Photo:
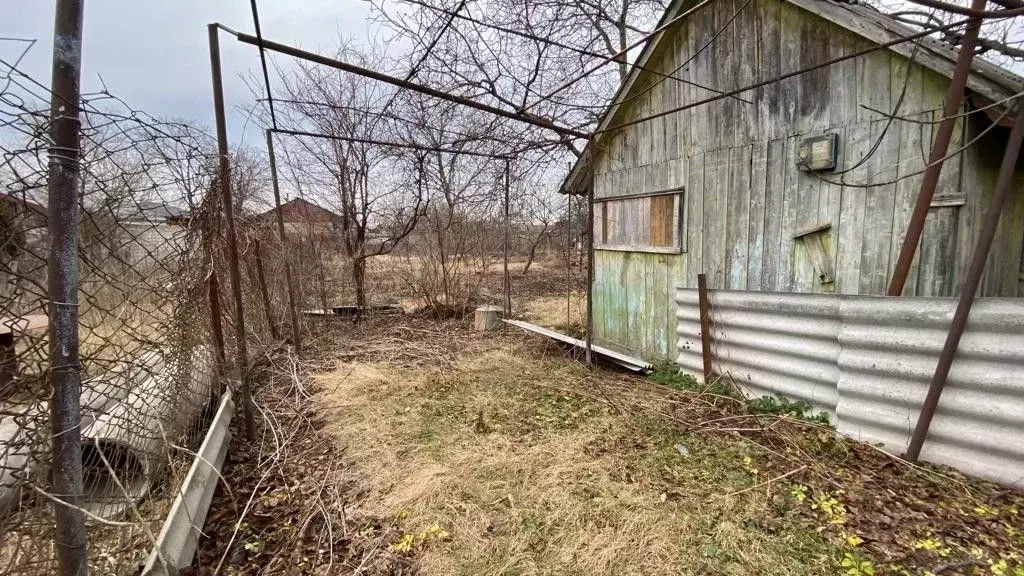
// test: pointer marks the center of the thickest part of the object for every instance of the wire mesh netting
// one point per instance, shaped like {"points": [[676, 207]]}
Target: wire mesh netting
{"points": [[150, 252]]}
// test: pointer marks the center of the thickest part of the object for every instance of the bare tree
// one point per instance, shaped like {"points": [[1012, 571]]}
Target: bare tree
{"points": [[539, 218], [515, 54], [373, 188], [1001, 40], [558, 59], [250, 180]]}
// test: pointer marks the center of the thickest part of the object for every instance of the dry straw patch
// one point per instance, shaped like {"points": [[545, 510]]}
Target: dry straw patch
{"points": [[510, 460], [558, 311]]}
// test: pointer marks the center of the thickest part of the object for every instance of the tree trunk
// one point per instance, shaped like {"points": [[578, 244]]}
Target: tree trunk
{"points": [[623, 42], [322, 279], [533, 249], [359, 280]]}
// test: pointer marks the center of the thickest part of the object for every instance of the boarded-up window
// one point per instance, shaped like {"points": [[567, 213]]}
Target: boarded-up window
{"points": [[640, 223]]}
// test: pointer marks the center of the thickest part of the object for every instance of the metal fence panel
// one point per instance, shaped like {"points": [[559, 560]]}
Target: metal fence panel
{"points": [[890, 347], [868, 360], [778, 345]]}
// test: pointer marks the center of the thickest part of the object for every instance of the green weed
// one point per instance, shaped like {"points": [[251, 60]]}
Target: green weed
{"points": [[668, 374], [785, 407]]}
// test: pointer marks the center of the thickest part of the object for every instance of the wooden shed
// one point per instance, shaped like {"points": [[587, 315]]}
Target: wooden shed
{"points": [[801, 185]]}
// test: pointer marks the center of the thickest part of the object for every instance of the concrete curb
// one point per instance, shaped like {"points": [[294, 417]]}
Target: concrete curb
{"points": [[179, 537]]}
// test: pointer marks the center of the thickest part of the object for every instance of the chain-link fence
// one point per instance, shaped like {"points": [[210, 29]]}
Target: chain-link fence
{"points": [[151, 266]]}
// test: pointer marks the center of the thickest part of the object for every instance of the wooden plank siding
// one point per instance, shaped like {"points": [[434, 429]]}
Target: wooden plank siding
{"points": [[746, 202]]}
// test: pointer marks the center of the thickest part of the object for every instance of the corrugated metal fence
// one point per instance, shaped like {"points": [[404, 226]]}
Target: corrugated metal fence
{"points": [[867, 361]]}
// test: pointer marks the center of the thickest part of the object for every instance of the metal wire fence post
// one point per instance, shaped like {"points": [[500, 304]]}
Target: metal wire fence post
{"points": [[590, 277], [106, 239], [1004, 186], [944, 132], [65, 412], [506, 278], [224, 180], [293, 312]]}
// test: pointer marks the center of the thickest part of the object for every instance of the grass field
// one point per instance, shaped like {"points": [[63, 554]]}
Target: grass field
{"points": [[508, 460], [427, 448]]}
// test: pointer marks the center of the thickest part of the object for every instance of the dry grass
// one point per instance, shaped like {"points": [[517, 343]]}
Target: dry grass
{"points": [[511, 459], [421, 447], [561, 312]]}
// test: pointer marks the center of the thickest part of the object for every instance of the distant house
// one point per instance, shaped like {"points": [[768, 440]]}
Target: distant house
{"points": [[148, 232], [24, 215], [303, 216], [799, 185]]}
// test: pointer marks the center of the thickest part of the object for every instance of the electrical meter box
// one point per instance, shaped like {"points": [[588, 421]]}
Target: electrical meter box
{"points": [[818, 153]]}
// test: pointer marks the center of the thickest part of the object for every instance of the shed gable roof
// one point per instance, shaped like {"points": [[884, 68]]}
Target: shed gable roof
{"points": [[991, 81]]}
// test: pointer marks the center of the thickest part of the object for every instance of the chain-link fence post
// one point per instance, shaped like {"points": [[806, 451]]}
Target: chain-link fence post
{"points": [[224, 180], [62, 198], [293, 312]]}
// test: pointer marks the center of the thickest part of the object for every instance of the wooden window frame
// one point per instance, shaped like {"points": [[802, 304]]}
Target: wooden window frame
{"points": [[679, 217]]}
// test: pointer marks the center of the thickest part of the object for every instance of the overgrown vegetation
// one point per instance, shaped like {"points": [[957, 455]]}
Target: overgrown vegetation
{"points": [[528, 463], [785, 407], [448, 451], [668, 374]]}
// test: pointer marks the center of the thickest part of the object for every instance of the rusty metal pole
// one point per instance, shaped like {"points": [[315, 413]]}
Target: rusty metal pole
{"points": [[954, 98], [506, 279], [293, 311], [213, 293], [590, 276], [62, 201], [224, 179], [407, 85], [568, 260], [970, 287], [705, 326], [264, 293]]}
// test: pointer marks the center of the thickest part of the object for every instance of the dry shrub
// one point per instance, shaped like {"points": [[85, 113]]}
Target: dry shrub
{"points": [[446, 260]]}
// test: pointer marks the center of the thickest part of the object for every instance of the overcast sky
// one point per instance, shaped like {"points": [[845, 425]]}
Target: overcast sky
{"points": [[154, 53]]}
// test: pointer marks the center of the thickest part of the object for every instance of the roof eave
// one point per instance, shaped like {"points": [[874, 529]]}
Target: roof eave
{"points": [[987, 79]]}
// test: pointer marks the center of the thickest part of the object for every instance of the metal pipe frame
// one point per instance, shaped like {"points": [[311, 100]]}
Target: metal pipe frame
{"points": [[970, 287], [353, 69], [590, 277], [224, 180], [954, 99], [406, 145]]}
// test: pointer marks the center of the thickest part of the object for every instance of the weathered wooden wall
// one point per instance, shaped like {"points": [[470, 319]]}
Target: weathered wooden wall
{"points": [[745, 199]]}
